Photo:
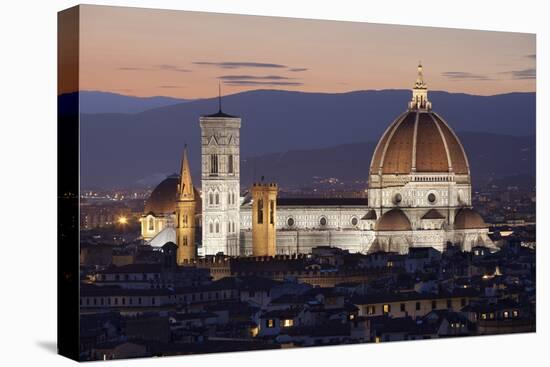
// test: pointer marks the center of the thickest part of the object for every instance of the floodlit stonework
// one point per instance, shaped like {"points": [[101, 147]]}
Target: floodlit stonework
{"points": [[419, 195], [220, 135]]}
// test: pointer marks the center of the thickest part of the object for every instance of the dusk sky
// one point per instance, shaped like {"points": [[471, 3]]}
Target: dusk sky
{"points": [[145, 52]]}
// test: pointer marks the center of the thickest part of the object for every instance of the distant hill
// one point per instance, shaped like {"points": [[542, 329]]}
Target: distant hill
{"points": [[491, 156], [105, 102], [139, 149]]}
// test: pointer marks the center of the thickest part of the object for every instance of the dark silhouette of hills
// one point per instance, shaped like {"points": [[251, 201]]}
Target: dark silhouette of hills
{"points": [[106, 102], [139, 149], [491, 156]]}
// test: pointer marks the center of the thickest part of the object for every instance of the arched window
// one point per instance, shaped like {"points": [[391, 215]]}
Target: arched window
{"points": [[211, 227], [272, 212], [151, 224], [217, 227], [217, 198], [185, 241], [211, 199]]}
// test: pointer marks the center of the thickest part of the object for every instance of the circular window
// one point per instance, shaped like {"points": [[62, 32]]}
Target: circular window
{"points": [[290, 222], [397, 198], [431, 198], [323, 221], [354, 221]]}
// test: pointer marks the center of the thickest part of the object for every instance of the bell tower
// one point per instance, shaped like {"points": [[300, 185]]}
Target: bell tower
{"points": [[220, 145], [264, 219], [185, 214]]}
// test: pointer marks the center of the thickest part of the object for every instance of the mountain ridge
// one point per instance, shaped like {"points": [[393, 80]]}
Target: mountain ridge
{"points": [[119, 149]]}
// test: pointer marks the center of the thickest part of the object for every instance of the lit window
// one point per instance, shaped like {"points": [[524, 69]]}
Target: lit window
{"points": [[270, 323], [288, 323], [515, 313], [151, 224], [386, 308], [506, 314]]}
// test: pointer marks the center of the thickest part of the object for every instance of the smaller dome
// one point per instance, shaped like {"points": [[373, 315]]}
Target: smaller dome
{"points": [[393, 220], [163, 198], [467, 218]]}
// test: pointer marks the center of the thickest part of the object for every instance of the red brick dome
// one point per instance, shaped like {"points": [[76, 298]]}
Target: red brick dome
{"points": [[419, 141], [467, 218], [393, 220]]}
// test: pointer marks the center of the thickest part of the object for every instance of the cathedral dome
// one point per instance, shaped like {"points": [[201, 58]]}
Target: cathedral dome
{"points": [[393, 220], [164, 196], [420, 141], [467, 218]]}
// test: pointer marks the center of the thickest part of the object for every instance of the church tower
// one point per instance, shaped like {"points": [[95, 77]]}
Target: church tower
{"points": [[220, 141], [264, 218], [185, 214]]}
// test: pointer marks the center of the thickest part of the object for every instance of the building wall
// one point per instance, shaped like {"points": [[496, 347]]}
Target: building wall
{"points": [[426, 306], [309, 218], [152, 225]]}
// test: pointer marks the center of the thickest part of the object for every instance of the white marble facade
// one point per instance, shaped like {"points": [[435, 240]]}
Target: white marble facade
{"points": [[220, 152]]}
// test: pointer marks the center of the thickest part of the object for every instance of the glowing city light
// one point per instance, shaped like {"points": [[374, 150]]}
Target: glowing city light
{"points": [[122, 220]]}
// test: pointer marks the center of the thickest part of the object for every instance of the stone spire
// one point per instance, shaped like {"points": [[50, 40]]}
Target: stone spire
{"points": [[185, 188], [420, 93]]}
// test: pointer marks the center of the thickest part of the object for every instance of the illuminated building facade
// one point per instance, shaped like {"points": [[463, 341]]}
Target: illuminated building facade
{"points": [[419, 194]]}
